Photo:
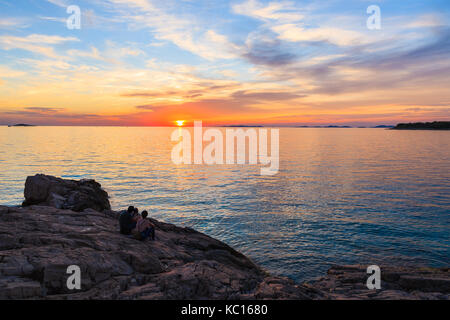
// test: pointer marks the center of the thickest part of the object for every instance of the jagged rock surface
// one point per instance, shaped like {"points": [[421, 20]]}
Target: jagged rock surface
{"points": [[397, 283], [38, 243]]}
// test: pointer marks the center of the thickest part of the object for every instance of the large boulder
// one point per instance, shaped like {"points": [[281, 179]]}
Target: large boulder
{"points": [[65, 194]]}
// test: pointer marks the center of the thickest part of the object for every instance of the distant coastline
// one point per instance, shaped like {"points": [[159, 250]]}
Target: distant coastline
{"points": [[243, 126], [436, 125], [313, 127], [21, 125]]}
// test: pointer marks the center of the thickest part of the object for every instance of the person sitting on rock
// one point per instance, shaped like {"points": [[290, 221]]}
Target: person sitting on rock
{"points": [[126, 221], [135, 215], [144, 228]]}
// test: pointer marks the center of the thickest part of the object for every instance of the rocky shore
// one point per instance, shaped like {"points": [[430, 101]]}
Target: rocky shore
{"points": [[63, 223]]}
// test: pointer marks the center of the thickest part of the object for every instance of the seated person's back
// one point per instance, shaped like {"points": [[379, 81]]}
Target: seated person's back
{"points": [[126, 221]]}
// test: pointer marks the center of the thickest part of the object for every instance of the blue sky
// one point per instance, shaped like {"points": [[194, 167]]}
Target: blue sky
{"points": [[145, 62]]}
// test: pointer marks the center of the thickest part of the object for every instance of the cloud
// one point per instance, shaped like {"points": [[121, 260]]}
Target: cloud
{"points": [[35, 111], [289, 24], [13, 23], [228, 73], [265, 50], [43, 39], [359, 69], [427, 21], [94, 53], [54, 19], [44, 109], [113, 53], [265, 96], [7, 72], [34, 43], [149, 94], [46, 116], [336, 36], [201, 88], [146, 107], [60, 3], [439, 48], [240, 102], [181, 31], [283, 10], [239, 99], [39, 39]]}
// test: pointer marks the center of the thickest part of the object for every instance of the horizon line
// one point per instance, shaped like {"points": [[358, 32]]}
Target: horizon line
{"points": [[216, 126]]}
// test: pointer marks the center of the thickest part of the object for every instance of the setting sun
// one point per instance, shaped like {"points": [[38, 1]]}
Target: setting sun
{"points": [[180, 123]]}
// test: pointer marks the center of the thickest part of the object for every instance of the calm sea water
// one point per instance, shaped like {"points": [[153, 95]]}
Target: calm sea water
{"points": [[342, 195]]}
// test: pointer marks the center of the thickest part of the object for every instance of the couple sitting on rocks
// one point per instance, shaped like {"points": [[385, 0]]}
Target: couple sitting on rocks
{"points": [[136, 225]]}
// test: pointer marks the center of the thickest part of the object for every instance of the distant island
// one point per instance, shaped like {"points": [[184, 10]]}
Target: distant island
{"points": [[330, 126], [21, 125], [243, 126], [436, 125], [384, 126], [346, 127]]}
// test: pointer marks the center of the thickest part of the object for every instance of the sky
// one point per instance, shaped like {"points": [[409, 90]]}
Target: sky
{"points": [[252, 62]]}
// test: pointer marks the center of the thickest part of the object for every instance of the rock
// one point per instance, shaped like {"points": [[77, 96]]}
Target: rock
{"points": [[397, 283], [425, 283], [19, 288], [65, 194], [181, 264]]}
